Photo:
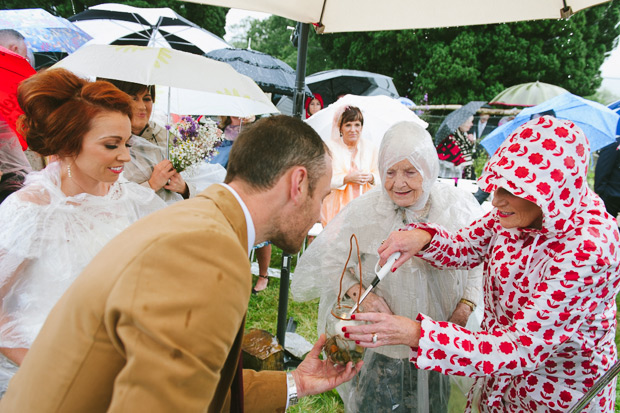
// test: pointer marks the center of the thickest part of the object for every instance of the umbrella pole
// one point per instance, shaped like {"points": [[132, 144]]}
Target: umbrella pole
{"points": [[168, 122], [298, 98], [300, 73]]}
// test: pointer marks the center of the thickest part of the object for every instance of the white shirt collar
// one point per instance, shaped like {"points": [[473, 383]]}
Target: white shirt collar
{"points": [[248, 218]]}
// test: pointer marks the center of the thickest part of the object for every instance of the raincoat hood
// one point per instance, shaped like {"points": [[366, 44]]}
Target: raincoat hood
{"points": [[544, 161], [410, 141]]}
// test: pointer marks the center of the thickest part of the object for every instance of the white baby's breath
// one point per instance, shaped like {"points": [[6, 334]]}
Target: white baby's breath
{"points": [[192, 142]]}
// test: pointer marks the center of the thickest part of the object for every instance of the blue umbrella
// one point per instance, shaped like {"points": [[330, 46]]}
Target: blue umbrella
{"points": [[616, 108], [43, 31], [597, 121]]}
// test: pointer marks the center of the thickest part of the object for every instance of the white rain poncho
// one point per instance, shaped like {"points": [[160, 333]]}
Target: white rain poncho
{"points": [[146, 151], [388, 381], [46, 239]]}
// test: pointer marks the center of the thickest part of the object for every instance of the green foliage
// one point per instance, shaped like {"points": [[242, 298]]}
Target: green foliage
{"points": [[272, 36], [263, 314], [210, 18], [456, 65]]}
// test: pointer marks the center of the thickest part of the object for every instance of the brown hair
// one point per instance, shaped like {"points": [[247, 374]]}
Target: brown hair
{"points": [[132, 89], [224, 121], [265, 150], [350, 114], [58, 108]]}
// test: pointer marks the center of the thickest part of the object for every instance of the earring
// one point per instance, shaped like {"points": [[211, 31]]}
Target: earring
{"points": [[69, 171]]}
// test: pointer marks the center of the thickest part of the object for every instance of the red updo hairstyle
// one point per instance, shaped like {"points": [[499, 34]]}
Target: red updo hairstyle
{"points": [[58, 109]]}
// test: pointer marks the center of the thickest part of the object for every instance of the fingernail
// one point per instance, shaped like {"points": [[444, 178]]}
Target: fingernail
{"points": [[346, 335], [357, 341], [352, 317], [344, 329], [393, 269]]}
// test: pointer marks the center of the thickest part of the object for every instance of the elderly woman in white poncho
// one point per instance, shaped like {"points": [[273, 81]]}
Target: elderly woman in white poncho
{"points": [[409, 167]]}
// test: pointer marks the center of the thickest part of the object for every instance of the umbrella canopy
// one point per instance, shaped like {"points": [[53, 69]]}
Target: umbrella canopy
{"points": [[363, 15], [456, 119], [120, 24], [43, 31], [332, 83], [271, 74], [49, 37], [616, 108], [224, 91], [13, 69], [597, 121], [380, 112], [527, 94]]}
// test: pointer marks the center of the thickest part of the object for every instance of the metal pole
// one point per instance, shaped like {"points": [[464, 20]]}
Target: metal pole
{"points": [[300, 75], [603, 381], [285, 276], [298, 99]]}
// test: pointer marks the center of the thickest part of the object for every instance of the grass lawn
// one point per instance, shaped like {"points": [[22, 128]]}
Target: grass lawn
{"points": [[263, 314]]}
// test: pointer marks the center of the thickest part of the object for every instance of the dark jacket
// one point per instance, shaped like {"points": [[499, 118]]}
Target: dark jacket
{"points": [[607, 177]]}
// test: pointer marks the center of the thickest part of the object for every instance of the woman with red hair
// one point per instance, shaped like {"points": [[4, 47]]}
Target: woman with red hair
{"points": [[52, 227]]}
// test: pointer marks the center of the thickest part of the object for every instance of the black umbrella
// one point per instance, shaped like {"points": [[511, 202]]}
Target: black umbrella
{"points": [[271, 74], [456, 119], [332, 83]]}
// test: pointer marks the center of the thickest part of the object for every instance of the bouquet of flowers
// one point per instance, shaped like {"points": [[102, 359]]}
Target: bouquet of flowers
{"points": [[192, 141]]}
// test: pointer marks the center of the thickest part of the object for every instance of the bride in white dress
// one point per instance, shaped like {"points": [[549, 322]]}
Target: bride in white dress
{"points": [[52, 227]]}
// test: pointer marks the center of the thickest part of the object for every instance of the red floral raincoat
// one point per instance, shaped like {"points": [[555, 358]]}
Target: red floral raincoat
{"points": [[549, 294]]}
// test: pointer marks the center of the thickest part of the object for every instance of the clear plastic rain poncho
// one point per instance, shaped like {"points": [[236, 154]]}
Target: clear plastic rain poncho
{"points": [[148, 151], [388, 381], [46, 239]]}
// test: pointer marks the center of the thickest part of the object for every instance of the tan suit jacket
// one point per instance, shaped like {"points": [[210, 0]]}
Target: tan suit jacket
{"points": [[154, 322]]}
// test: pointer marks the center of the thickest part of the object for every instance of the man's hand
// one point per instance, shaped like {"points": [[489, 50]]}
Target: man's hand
{"points": [[314, 376]]}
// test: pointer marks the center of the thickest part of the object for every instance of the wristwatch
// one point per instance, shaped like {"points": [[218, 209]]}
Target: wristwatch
{"points": [[291, 389]]}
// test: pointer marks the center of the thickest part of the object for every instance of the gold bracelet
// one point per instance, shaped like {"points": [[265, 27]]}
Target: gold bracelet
{"points": [[469, 303]]}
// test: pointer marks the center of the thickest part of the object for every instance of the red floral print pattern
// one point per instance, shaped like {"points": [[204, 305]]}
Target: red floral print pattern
{"points": [[549, 294]]}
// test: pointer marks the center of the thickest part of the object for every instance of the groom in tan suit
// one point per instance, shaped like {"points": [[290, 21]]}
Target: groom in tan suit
{"points": [[154, 323]]}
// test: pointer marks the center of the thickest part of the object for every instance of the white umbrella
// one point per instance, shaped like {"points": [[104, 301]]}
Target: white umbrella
{"points": [[220, 85], [120, 24], [527, 94], [364, 15], [380, 112]]}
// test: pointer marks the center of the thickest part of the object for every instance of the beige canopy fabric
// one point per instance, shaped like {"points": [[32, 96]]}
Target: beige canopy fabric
{"points": [[369, 15]]}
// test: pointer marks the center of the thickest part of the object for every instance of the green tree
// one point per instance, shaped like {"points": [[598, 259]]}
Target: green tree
{"points": [[456, 65], [210, 18], [272, 36]]}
